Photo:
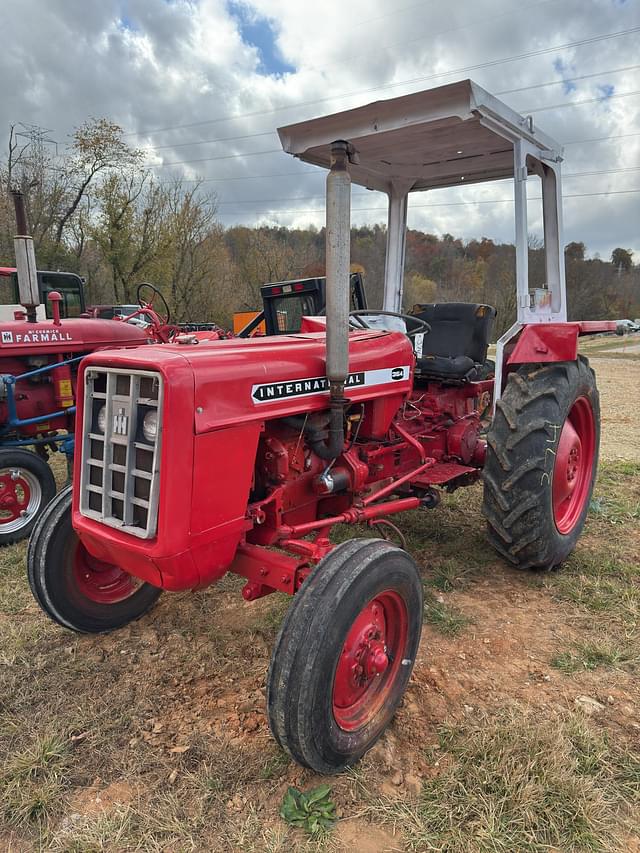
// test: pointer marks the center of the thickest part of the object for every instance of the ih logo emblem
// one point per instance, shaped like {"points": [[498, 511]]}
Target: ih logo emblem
{"points": [[120, 422], [7, 337]]}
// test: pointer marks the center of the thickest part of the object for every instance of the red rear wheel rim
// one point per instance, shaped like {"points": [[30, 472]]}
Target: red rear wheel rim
{"points": [[573, 467], [100, 582], [370, 660], [15, 495]]}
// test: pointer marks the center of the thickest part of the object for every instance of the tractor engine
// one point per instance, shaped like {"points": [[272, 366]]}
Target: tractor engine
{"points": [[194, 458]]}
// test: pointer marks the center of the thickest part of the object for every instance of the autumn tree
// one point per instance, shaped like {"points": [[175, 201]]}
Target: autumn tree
{"points": [[97, 148], [622, 259], [574, 251], [261, 255], [418, 289], [56, 187], [195, 260]]}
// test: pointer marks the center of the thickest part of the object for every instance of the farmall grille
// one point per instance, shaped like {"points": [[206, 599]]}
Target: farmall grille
{"points": [[120, 467]]}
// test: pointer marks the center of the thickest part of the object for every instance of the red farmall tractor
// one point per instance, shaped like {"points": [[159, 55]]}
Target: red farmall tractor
{"points": [[39, 358], [242, 455]]}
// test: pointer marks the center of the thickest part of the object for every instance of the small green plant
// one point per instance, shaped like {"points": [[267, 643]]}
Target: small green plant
{"points": [[310, 810]]}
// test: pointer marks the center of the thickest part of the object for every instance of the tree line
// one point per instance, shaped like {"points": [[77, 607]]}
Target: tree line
{"points": [[97, 210]]}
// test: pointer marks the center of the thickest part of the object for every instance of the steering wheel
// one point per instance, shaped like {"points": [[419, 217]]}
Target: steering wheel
{"points": [[419, 326], [166, 320]]}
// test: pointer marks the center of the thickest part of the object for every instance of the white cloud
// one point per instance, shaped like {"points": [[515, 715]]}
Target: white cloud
{"points": [[152, 64]]}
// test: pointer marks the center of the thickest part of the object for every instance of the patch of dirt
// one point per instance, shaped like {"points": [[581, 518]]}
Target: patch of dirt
{"points": [[13, 843], [355, 834], [99, 798], [506, 660]]}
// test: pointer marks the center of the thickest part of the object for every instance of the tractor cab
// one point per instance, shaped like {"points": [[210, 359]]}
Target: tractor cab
{"points": [[68, 285], [285, 303]]}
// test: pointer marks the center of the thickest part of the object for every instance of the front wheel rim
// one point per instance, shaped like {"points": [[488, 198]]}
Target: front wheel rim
{"points": [[100, 582], [573, 467], [370, 661], [20, 498]]}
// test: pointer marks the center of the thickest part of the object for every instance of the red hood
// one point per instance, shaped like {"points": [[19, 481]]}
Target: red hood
{"points": [[73, 335]]}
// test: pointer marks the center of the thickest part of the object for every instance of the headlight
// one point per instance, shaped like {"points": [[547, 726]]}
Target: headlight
{"points": [[150, 426], [102, 418]]}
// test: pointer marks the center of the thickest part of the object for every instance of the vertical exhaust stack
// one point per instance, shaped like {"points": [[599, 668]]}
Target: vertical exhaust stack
{"points": [[338, 258], [25, 260]]}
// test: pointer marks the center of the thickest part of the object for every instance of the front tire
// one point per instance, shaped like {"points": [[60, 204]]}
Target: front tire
{"points": [[27, 485], [344, 654], [542, 461], [73, 588]]}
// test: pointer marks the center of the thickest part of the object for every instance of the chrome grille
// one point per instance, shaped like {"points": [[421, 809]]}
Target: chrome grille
{"points": [[120, 477]]}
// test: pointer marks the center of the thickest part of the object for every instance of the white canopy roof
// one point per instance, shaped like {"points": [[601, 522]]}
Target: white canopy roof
{"points": [[441, 137]]}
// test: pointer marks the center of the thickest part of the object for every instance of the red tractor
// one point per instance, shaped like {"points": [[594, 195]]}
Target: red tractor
{"points": [[40, 349], [242, 455]]}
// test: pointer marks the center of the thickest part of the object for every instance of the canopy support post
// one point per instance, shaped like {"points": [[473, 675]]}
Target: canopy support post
{"points": [[522, 240], [396, 243], [553, 239]]}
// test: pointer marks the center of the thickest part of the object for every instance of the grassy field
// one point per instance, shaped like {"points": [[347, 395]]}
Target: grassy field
{"points": [[520, 731]]}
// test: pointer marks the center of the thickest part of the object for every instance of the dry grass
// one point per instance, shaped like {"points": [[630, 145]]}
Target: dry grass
{"points": [[518, 783]]}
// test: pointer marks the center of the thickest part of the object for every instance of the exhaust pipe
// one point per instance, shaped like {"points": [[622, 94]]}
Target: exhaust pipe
{"points": [[25, 260], [338, 258]]}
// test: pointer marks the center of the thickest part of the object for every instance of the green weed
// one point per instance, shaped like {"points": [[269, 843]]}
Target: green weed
{"points": [[312, 811]]}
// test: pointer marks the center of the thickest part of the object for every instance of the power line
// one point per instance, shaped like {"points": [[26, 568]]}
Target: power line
{"points": [[569, 80], [222, 157], [367, 192], [211, 141], [449, 204], [321, 173], [601, 172], [464, 69], [388, 14], [315, 172], [503, 92], [604, 99], [600, 138]]}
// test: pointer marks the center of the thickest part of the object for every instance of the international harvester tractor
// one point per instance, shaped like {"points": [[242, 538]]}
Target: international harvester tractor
{"points": [[40, 349], [243, 455]]}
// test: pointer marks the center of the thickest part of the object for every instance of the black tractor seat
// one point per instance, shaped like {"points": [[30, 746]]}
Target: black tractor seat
{"points": [[455, 350]]}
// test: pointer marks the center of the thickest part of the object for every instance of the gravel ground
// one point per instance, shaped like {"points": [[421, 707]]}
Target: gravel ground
{"points": [[619, 385]]}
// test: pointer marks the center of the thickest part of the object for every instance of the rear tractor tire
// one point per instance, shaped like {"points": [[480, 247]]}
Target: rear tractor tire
{"points": [[27, 485], [344, 654], [74, 588], [542, 461]]}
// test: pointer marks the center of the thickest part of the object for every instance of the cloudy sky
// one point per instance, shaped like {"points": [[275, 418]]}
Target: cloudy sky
{"points": [[201, 85]]}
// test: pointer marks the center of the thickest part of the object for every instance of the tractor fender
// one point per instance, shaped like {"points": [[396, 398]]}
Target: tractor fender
{"points": [[545, 343]]}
